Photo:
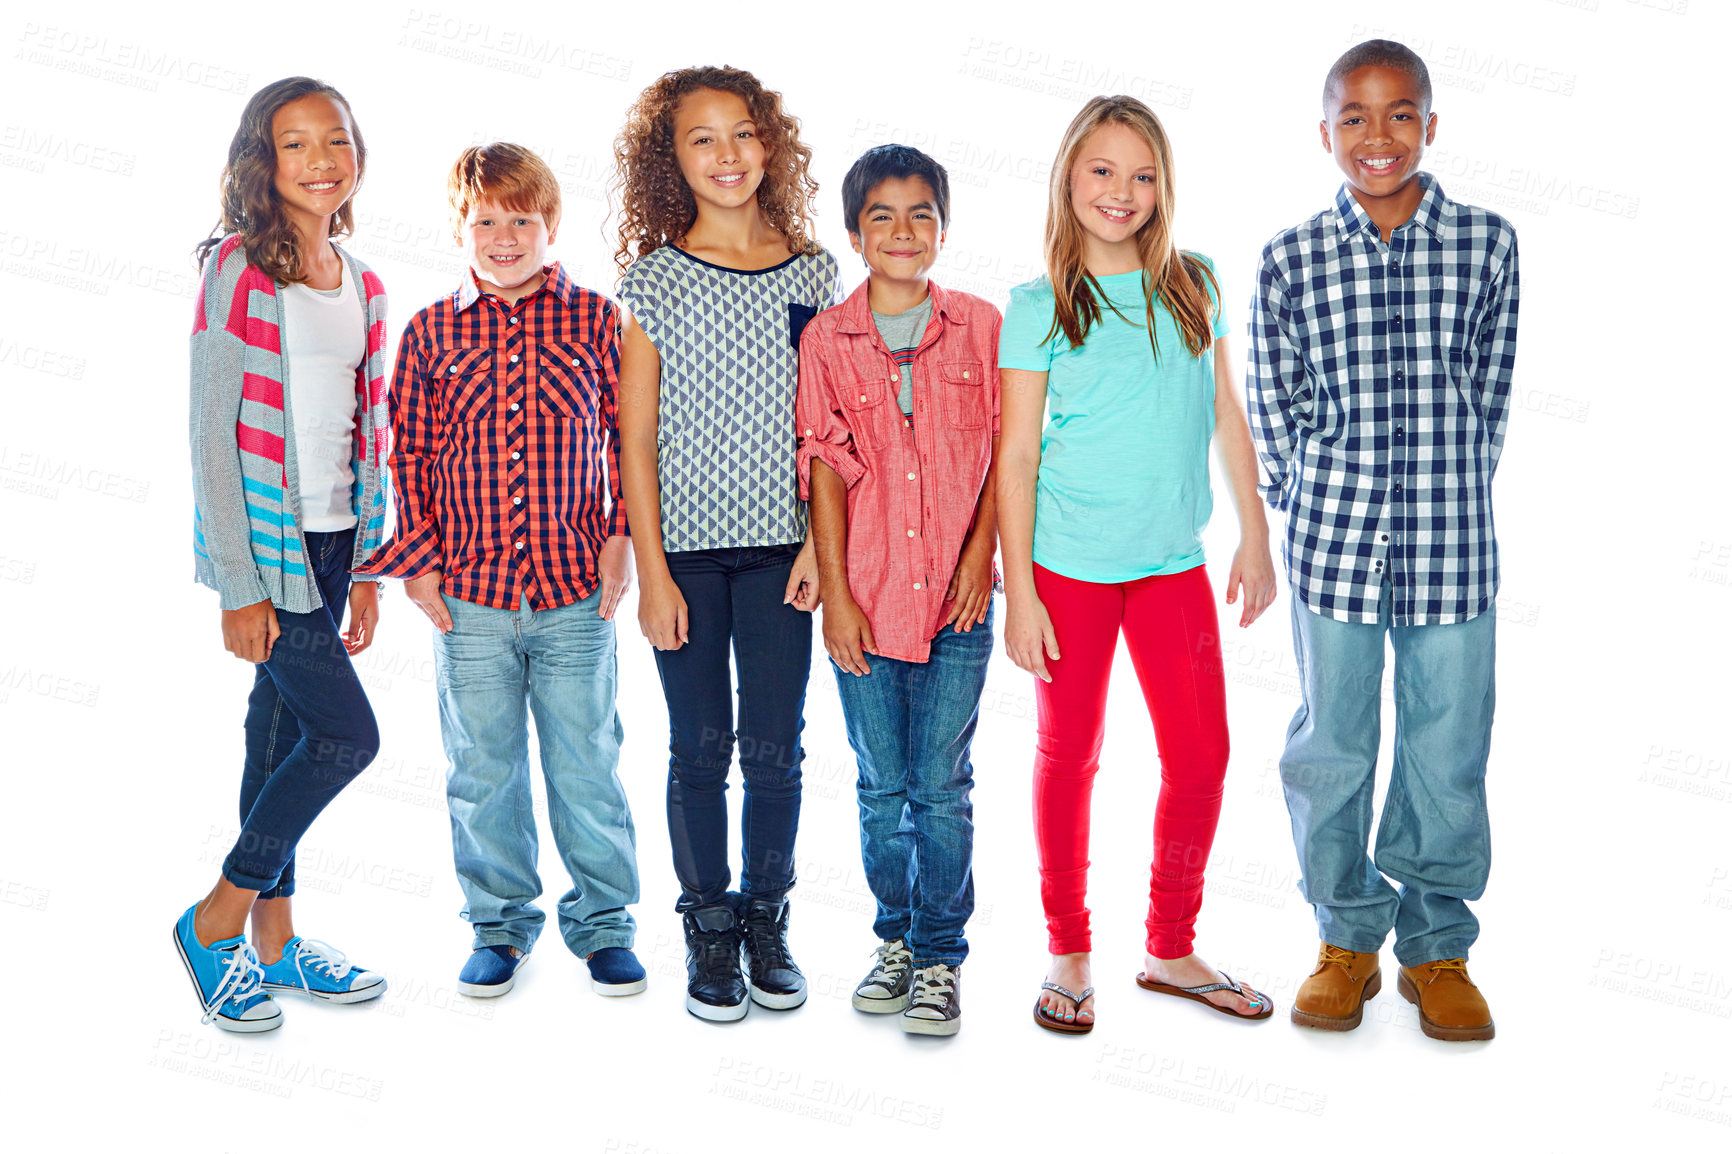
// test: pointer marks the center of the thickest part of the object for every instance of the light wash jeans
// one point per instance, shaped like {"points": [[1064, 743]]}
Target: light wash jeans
{"points": [[911, 725], [1433, 837], [560, 663]]}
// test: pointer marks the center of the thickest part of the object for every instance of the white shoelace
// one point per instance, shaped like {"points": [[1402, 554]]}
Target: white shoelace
{"points": [[239, 983], [321, 956], [893, 958], [933, 987]]}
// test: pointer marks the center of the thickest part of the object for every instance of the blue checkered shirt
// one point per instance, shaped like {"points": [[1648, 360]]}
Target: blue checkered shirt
{"points": [[1378, 388]]}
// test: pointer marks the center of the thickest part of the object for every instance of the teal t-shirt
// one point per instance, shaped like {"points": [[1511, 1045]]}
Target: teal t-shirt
{"points": [[1123, 490]]}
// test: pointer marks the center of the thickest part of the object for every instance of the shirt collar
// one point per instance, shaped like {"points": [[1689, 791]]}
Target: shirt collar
{"points": [[557, 283], [1433, 214], [856, 311]]}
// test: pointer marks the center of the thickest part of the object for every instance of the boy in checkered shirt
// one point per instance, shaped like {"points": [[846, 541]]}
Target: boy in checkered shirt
{"points": [[1382, 342]]}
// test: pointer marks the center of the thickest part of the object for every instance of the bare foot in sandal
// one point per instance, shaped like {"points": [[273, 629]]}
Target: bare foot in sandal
{"points": [[1191, 970], [1073, 973]]}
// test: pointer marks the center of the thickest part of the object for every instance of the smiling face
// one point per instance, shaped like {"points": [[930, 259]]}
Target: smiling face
{"points": [[900, 233], [1377, 134], [718, 149], [506, 248], [1113, 185], [316, 165]]}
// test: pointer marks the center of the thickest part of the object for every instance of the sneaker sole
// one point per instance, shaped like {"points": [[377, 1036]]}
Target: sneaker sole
{"points": [[365, 994], [772, 1001], [472, 990], [711, 1013], [935, 1027], [1346, 1022], [232, 1025], [880, 1005], [619, 989]]}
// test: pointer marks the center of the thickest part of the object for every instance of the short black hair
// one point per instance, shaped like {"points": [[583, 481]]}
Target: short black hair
{"points": [[1378, 54], [892, 162]]}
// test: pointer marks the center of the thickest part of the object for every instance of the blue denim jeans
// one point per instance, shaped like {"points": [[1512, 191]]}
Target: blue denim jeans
{"points": [[734, 603], [309, 728], [1433, 837], [495, 668], [911, 725]]}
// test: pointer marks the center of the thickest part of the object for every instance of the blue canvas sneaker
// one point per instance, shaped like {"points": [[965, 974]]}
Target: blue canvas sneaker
{"points": [[614, 972], [315, 969], [490, 972], [225, 975]]}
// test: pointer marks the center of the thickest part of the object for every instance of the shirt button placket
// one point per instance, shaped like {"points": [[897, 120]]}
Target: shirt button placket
{"points": [[516, 372]]}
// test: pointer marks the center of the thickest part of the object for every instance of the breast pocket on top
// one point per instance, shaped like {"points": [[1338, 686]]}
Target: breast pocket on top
{"points": [[569, 380], [467, 376], [965, 400], [863, 405], [1455, 302]]}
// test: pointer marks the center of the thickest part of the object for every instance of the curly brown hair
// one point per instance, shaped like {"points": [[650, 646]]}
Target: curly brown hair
{"points": [[655, 205], [250, 204]]}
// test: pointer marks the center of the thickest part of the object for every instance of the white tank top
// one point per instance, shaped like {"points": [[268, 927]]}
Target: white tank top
{"points": [[326, 343]]}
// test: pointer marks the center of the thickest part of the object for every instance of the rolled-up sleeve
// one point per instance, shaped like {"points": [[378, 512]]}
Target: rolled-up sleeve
{"points": [[821, 425]]}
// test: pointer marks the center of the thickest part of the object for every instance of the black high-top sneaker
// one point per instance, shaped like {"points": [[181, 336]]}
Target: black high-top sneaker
{"points": [[715, 989], [777, 983]]}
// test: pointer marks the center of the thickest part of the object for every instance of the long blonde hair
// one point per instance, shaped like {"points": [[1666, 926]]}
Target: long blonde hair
{"points": [[1177, 280]]}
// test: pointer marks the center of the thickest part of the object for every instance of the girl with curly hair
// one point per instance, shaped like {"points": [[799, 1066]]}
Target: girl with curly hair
{"points": [[288, 436], [720, 275]]}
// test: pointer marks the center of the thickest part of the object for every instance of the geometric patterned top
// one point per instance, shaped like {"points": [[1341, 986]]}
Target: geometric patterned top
{"points": [[728, 340], [1378, 390]]}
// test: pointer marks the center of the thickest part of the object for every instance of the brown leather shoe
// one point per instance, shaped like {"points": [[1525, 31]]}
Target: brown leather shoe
{"points": [[1451, 1008], [1334, 996]]}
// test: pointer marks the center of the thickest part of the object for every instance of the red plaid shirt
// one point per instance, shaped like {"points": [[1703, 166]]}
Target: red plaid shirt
{"points": [[912, 493], [504, 419]]}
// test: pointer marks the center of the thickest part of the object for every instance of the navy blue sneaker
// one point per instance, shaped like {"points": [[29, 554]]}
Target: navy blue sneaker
{"points": [[614, 972], [490, 971], [225, 975], [315, 969]]}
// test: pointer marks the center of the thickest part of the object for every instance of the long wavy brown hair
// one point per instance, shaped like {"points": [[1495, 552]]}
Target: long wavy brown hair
{"points": [[1175, 279], [250, 204], [650, 194]]}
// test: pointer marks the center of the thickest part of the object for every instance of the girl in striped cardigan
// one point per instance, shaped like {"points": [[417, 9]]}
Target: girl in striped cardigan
{"points": [[289, 498]]}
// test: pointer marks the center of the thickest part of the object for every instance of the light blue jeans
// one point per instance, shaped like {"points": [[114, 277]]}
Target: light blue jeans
{"points": [[911, 725], [560, 663], [1433, 837]]}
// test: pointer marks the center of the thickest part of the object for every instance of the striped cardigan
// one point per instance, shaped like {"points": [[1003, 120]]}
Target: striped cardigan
{"points": [[246, 536]]}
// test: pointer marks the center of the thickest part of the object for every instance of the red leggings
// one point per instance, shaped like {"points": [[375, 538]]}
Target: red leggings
{"points": [[1170, 628]]}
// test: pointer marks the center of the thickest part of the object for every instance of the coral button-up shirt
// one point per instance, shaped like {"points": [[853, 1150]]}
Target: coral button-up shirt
{"points": [[912, 493]]}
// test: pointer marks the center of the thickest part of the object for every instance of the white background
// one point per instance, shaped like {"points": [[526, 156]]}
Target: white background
{"points": [[1592, 125]]}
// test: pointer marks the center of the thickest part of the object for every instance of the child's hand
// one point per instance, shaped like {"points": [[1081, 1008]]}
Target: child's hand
{"points": [[363, 616], [424, 591], [250, 631], [970, 591], [1252, 569], [616, 568], [1028, 636], [661, 613], [847, 633], [802, 591]]}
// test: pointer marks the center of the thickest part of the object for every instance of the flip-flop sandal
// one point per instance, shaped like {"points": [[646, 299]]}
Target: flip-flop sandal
{"points": [[1195, 994], [1049, 1022]]}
